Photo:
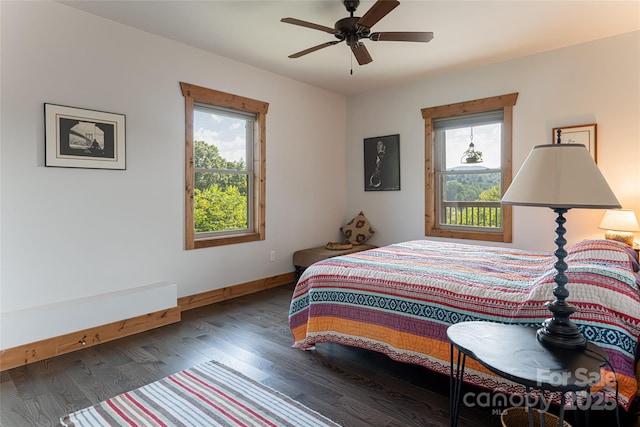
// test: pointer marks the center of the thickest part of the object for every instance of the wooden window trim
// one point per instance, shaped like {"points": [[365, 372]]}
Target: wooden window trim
{"points": [[504, 102], [193, 94]]}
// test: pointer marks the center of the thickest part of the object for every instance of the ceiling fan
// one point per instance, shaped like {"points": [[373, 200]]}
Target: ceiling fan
{"points": [[352, 29]]}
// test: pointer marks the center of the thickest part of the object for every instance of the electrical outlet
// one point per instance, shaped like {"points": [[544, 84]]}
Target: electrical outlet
{"points": [[272, 256]]}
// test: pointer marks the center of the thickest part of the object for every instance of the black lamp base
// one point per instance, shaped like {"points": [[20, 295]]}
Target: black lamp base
{"points": [[559, 331], [561, 336]]}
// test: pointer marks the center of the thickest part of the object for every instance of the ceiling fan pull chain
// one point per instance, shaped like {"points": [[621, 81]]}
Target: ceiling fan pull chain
{"points": [[351, 57]]}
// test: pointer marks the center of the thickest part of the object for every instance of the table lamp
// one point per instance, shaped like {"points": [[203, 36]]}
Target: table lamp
{"points": [[620, 225], [560, 177]]}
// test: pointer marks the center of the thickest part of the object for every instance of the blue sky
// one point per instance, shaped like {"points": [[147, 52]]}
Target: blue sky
{"points": [[228, 134]]}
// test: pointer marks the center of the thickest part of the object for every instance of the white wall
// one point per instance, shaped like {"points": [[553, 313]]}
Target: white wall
{"points": [[596, 82], [68, 234]]}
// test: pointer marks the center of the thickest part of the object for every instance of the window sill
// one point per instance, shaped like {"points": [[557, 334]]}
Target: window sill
{"points": [[469, 235], [226, 240]]}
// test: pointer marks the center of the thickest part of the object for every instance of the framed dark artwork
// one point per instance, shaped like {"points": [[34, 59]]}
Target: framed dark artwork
{"points": [[79, 138], [382, 163], [580, 134]]}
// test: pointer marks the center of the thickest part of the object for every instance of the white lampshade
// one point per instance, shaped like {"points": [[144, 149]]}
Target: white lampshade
{"points": [[620, 225], [619, 220], [560, 176]]}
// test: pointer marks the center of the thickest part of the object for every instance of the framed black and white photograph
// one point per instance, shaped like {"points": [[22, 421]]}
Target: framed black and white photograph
{"points": [[80, 138], [382, 163], [580, 134]]}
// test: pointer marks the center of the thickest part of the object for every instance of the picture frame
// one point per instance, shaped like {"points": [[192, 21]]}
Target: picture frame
{"points": [[382, 163], [81, 138], [580, 134]]}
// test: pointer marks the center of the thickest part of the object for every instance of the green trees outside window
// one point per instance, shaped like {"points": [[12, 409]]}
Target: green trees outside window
{"points": [[220, 197], [472, 200]]}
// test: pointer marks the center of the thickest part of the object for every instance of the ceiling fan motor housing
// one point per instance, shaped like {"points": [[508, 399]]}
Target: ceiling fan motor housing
{"points": [[348, 28]]}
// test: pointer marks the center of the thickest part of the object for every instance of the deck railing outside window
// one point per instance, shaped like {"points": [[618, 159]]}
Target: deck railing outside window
{"points": [[472, 214]]}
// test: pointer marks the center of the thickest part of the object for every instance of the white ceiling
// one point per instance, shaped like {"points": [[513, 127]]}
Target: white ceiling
{"points": [[466, 33]]}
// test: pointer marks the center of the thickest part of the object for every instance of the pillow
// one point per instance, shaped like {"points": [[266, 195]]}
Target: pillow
{"points": [[358, 230], [635, 262], [609, 252]]}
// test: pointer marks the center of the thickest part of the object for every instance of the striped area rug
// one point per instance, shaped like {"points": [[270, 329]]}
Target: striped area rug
{"points": [[210, 394]]}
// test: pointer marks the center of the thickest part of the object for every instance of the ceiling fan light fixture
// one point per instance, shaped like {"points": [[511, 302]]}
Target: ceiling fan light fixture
{"points": [[353, 40]]}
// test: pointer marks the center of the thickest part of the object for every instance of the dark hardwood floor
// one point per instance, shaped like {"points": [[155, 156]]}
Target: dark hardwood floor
{"points": [[351, 386]]}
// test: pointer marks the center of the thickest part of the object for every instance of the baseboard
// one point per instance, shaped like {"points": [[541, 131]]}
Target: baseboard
{"points": [[45, 349], [51, 347], [222, 294]]}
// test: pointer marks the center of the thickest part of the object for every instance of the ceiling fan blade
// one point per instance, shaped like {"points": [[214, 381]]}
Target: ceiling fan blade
{"points": [[379, 10], [361, 53], [402, 36], [313, 49], [306, 24]]}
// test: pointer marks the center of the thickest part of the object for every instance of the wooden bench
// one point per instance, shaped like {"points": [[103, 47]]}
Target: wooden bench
{"points": [[304, 258]]}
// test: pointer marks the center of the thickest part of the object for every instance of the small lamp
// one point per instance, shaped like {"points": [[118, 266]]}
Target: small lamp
{"points": [[560, 177], [620, 224]]}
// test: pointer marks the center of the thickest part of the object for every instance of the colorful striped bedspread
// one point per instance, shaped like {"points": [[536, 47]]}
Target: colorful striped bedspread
{"points": [[400, 299]]}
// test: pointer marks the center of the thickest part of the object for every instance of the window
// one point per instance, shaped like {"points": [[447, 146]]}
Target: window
{"points": [[468, 169], [224, 168]]}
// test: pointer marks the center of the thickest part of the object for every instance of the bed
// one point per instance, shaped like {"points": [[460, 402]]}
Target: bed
{"points": [[400, 299]]}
